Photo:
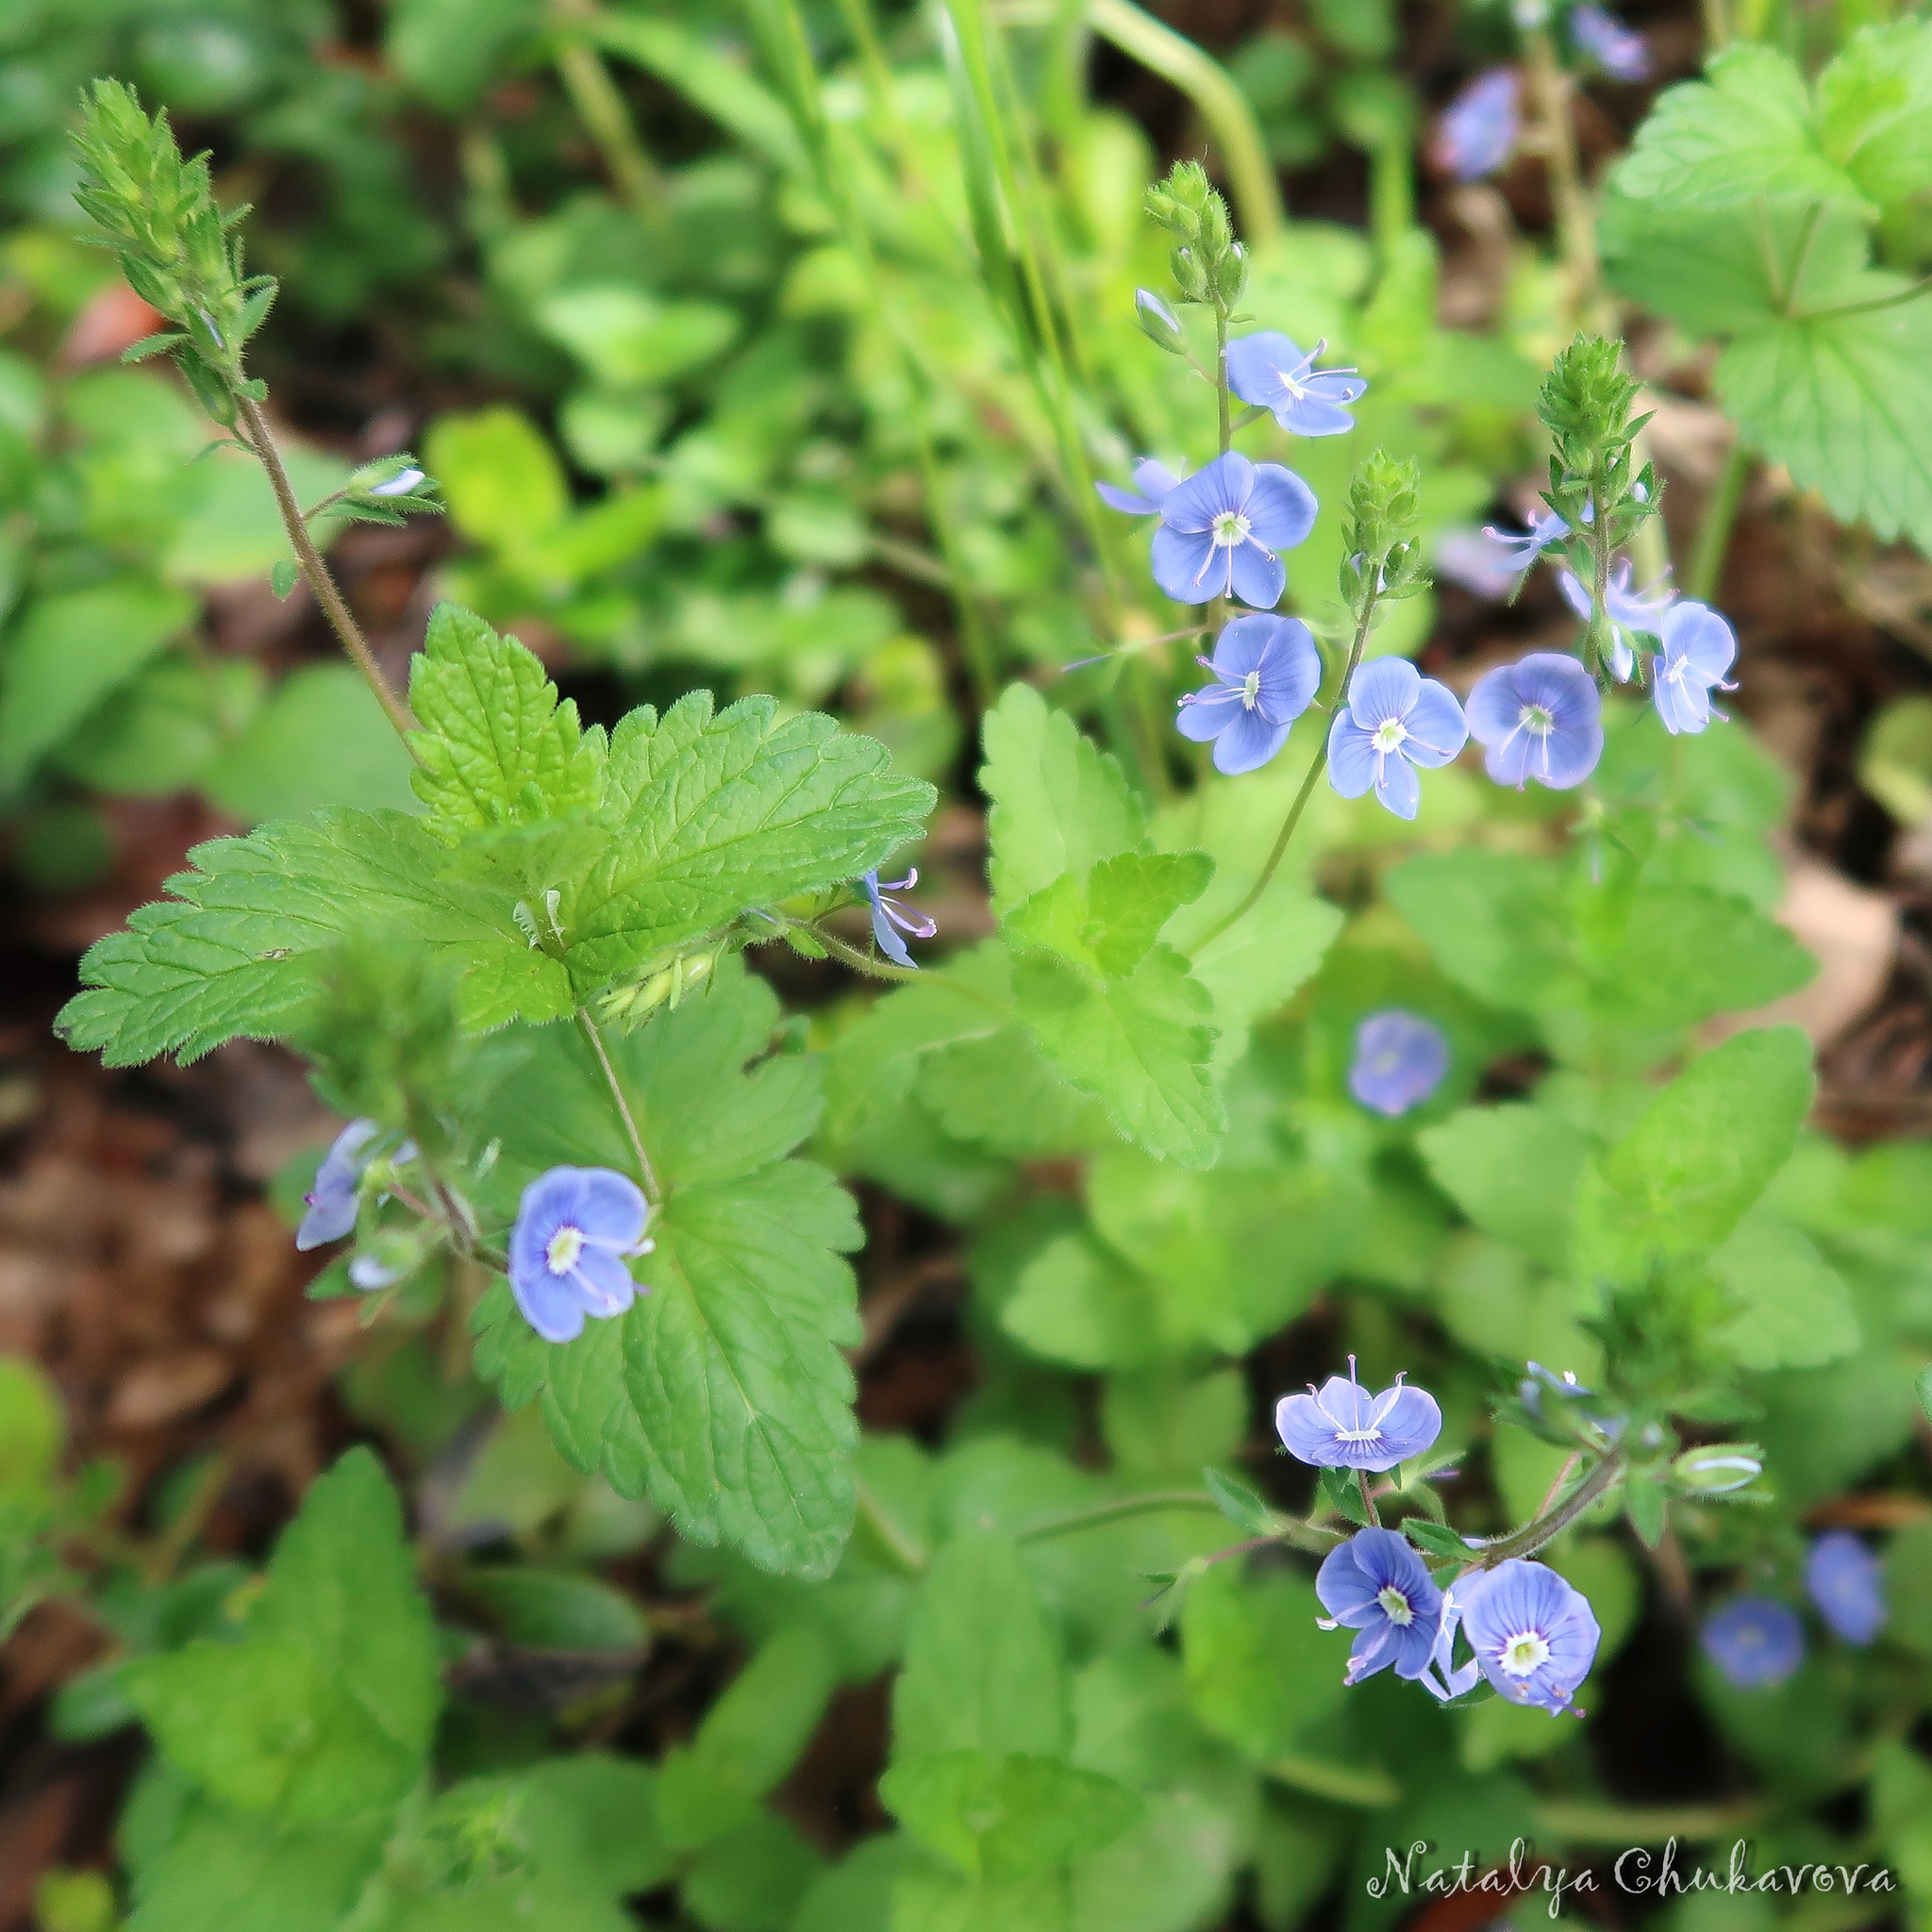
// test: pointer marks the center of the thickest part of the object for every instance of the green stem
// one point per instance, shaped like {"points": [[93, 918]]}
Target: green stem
{"points": [[606, 119], [1120, 1509], [321, 584], [905, 1554], [1575, 230], [1714, 532], [1221, 403], [1548, 1526], [588, 1026], [874, 968], [1221, 105], [1375, 1515], [1318, 765], [1716, 26]]}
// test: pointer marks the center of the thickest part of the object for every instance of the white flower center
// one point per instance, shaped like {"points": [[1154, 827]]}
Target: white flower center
{"points": [[566, 1245], [1230, 528], [1390, 733], [1371, 1434], [1251, 689], [1394, 1606], [1523, 1651], [1535, 718]]}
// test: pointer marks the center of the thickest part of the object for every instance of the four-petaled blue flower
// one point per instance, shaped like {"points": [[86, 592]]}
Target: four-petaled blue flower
{"points": [[890, 918], [1266, 670], [1629, 611], [1699, 647], [574, 1228], [1530, 1632], [1223, 531], [332, 1202], [1480, 127], [1394, 720], [1541, 718], [1152, 482], [1618, 52], [1341, 1425], [1847, 1583], [1755, 1641], [1273, 374], [1376, 1585], [1400, 1060]]}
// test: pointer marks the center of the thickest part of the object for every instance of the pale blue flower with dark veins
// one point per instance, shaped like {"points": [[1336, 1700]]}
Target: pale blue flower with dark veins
{"points": [[332, 1202], [1541, 718], [1375, 1585], [1400, 1060], [576, 1229], [890, 918], [1266, 670], [1847, 1583], [1618, 52], [1530, 1632], [1270, 372], [1394, 719], [1152, 482], [1699, 648], [1754, 1641], [1341, 1425], [1224, 529], [1630, 612], [1480, 127]]}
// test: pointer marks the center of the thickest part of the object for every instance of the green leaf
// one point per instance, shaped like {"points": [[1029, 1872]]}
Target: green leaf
{"points": [[1059, 801], [559, 1609], [749, 1740], [1844, 401], [1256, 965], [1434, 1539], [721, 1393], [68, 652], [1242, 1507], [1744, 135], [1008, 1816], [1139, 1045], [1108, 916], [496, 748], [1495, 922], [1874, 110], [629, 339], [751, 1880], [1703, 1152], [999, 1093], [1923, 1388], [1792, 1310], [326, 1709], [983, 1669], [1514, 1172], [500, 479]]}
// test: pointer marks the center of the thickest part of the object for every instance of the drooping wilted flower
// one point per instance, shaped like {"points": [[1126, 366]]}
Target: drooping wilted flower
{"points": [[890, 918]]}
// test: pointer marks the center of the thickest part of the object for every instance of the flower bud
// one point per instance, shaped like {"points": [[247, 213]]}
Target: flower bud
{"points": [[1718, 1468], [1189, 276], [1158, 322]]}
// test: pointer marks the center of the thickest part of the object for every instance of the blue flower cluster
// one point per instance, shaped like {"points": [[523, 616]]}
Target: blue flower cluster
{"points": [[1528, 1632], [1757, 1643]]}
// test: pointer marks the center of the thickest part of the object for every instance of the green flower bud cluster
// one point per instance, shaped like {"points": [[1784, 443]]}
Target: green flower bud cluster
{"points": [[1585, 404], [629, 1006], [157, 212], [1208, 264], [1382, 557]]}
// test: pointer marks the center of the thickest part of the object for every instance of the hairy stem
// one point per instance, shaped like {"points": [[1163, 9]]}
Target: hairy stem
{"points": [[595, 1039], [1375, 1515], [1552, 1521], [317, 573], [1221, 403]]}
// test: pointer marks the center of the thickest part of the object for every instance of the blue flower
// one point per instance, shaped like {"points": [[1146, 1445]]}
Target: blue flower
{"points": [[1271, 372], [1542, 718], [1395, 719], [1152, 483], [1480, 127], [575, 1227], [1620, 53], [1516, 550], [1266, 670], [888, 914], [1629, 611], [332, 1202], [1847, 1583], [1400, 1060], [1755, 1641], [1341, 1425], [1699, 647], [1376, 1585], [1530, 1632], [1223, 531]]}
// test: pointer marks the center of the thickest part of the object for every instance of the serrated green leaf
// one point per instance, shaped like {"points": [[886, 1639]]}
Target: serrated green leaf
{"points": [[1248, 1512], [1258, 962], [1514, 1171], [1434, 1539], [1874, 110], [1009, 1815], [1059, 801], [999, 1091], [721, 1393], [1844, 402], [1793, 1309], [1703, 1152], [1140, 1046], [1496, 923], [1743, 135], [496, 748], [326, 1709], [1108, 916], [983, 1667]]}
